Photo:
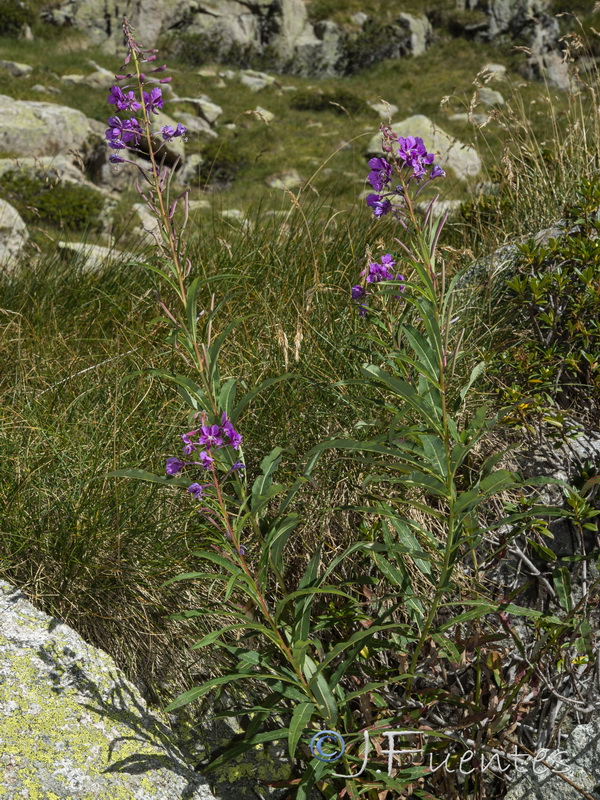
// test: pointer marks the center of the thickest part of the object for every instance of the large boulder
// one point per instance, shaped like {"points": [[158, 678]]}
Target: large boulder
{"points": [[579, 761], [529, 22], [13, 235], [31, 128], [460, 158], [71, 725]]}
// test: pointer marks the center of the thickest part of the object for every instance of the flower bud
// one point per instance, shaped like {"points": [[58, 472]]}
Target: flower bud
{"points": [[165, 80]]}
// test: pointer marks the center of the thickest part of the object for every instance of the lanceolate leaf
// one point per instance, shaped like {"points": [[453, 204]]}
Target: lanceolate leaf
{"points": [[235, 750], [300, 719]]}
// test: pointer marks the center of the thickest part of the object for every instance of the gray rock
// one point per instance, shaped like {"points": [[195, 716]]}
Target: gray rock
{"points": [[460, 158], [264, 114], [289, 179], [451, 207], [101, 78], [47, 168], [195, 124], [94, 256], [150, 223], [359, 18], [190, 172], [579, 761], [175, 148], [256, 81], [489, 97], [235, 215], [73, 79], [32, 128], [206, 108], [208, 72], [13, 237], [478, 119], [71, 725], [16, 69], [385, 110], [549, 67], [419, 30], [494, 71]]}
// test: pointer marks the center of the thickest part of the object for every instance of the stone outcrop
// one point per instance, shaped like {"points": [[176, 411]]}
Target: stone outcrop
{"points": [[581, 754], [280, 32], [71, 725], [31, 128], [13, 235], [460, 158], [529, 22]]}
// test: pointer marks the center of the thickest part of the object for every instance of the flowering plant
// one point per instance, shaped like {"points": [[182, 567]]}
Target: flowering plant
{"points": [[356, 664]]}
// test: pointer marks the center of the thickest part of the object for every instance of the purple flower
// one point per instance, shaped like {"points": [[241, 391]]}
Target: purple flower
{"points": [[123, 101], [437, 172], [114, 159], [169, 133], [206, 460], [358, 292], [376, 272], [380, 205], [153, 100], [238, 465], [210, 436], [123, 132], [235, 439], [173, 466], [189, 446], [381, 173], [115, 95], [413, 152], [196, 490]]}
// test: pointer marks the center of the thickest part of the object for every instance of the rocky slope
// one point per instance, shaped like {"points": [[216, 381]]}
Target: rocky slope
{"points": [[280, 31]]}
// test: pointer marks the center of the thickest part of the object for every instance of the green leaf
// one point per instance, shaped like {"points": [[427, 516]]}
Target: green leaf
{"points": [[217, 558], [477, 370], [562, 584], [321, 691], [262, 488], [542, 551], [276, 540], [212, 354], [214, 635], [425, 353], [497, 481], [426, 411], [300, 719], [435, 453], [479, 611], [192, 306], [407, 539], [302, 611], [190, 391], [310, 590], [398, 577], [200, 691], [227, 396], [234, 750]]}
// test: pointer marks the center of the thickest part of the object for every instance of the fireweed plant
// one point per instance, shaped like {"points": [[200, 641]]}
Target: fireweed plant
{"points": [[382, 648]]}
